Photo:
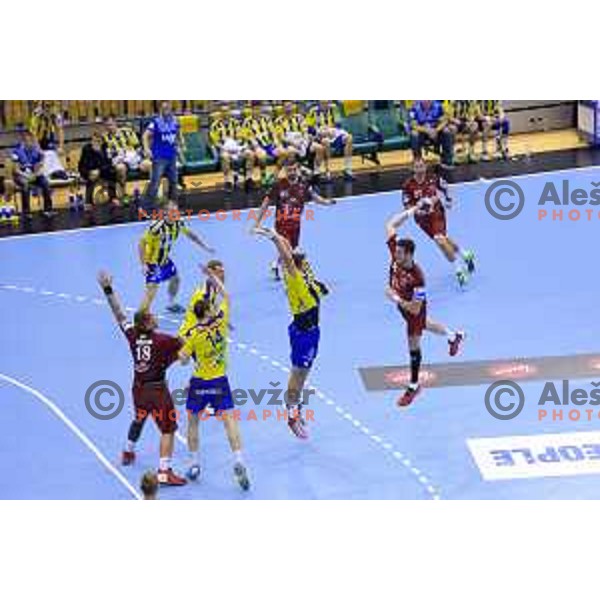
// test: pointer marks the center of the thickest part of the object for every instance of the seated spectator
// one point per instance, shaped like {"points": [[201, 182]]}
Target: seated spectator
{"points": [[428, 127], [227, 137], [95, 169], [463, 118], [323, 120], [125, 153], [27, 162], [47, 126], [493, 118]]}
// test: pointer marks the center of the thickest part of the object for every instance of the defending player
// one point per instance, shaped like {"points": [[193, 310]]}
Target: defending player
{"points": [[206, 343], [154, 250], [304, 294], [289, 195], [152, 353], [406, 289], [430, 216]]}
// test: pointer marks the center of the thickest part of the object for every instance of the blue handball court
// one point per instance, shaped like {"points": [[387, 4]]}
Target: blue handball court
{"points": [[529, 314]]}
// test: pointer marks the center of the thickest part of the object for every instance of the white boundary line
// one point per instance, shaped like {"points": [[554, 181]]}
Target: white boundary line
{"points": [[342, 199], [82, 437]]}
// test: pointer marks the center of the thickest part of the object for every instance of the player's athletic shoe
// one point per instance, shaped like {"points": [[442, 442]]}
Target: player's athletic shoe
{"points": [[455, 343], [169, 477], [462, 276], [241, 476], [176, 309], [298, 427], [469, 258], [409, 395], [348, 176], [127, 458], [193, 473]]}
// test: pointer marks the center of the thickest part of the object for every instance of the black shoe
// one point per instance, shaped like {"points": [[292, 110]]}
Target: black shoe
{"points": [[240, 474]]}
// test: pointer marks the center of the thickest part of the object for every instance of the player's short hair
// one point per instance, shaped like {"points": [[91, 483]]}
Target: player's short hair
{"points": [[149, 484], [214, 263], [141, 321], [406, 244], [201, 308]]}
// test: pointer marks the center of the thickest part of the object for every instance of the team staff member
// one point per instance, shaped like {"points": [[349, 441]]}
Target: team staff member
{"points": [[162, 142], [209, 386], [304, 294], [406, 288], [154, 253], [152, 353], [428, 126]]}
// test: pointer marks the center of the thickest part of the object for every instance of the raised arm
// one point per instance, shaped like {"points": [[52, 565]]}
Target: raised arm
{"points": [[105, 281], [262, 211], [194, 237], [282, 245], [398, 220]]}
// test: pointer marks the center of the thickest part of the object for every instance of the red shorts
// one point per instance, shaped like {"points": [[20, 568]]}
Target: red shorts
{"points": [[154, 400], [433, 224], [290, 230], [415, 323]]}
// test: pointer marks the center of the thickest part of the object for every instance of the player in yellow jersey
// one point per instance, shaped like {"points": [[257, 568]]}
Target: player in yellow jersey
{"points": [[323, 120], [154, 253], [466, 114], [209, 386], [304, 294]]}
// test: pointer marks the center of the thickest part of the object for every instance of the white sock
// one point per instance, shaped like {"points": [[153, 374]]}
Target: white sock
{"points": [[165, 463], [413, 386], [451, 335], [348, 164], [237, 457], [130, 446], [194, 458]]}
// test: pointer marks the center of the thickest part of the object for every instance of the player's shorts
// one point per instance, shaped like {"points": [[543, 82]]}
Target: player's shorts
{"points": [[269, 150], [154, 400], [234, 148], [501, 124], [433, 224], [415, 324], [204, 393], [158, 273], [304, 345], [338, 140], [290, 230]]}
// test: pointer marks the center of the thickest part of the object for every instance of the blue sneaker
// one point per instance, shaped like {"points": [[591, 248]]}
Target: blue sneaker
{"points": [[469, 258], [193, 473]]}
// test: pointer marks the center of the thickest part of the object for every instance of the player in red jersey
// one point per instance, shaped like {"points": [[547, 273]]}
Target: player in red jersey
{"points": [[289, 194], [152, 352], [430, 216], [406, 289]]}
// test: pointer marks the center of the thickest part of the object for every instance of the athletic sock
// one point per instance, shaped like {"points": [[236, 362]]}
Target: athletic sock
{"points": [[348, 164], [451, 335], [415, 367], [130, 446], [165, 463]]}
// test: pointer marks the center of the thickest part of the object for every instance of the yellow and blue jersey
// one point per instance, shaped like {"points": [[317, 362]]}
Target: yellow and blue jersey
{"points": [[205, 292], [491, 108], [159, 239], [207, 345], [225, 128], [258, 129], [304, 293]]}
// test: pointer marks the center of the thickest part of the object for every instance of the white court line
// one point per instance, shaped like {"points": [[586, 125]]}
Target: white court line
{"points": [[82, 437], [338, 200]]}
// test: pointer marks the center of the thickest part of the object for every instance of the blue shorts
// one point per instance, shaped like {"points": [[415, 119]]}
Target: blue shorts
{"points": [[339, 141], [203, 393], [269, 150], [160, 273], [304, 344]]}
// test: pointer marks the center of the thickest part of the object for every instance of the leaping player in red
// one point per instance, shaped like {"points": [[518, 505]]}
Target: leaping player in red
{"points": [[289, 194], [430, 215], [407, 290], [152, 353]]}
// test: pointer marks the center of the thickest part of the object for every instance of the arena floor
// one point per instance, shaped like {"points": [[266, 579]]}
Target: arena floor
{"points": [[534, 296]]}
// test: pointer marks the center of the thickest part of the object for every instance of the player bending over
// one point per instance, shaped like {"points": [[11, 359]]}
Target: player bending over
{"points": [[154, 250], [427, 193], [289, 194], [407, 290], [152, 352], [206, 343], [304, 294]]}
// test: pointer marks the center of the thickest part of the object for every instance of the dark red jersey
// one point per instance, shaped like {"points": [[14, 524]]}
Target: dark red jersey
{"points": [[153, 353], [409, 284], [289, 199], [431, 218]]}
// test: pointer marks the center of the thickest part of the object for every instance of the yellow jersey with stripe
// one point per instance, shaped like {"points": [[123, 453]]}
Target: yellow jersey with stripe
{"points": [[491, 108], [207, 345], [222, 129], [318, 118], [286, 124], [205, 292], [304, 295], [120, 141], [258, 129], [44, 124], [159, 239], [465, 109]]}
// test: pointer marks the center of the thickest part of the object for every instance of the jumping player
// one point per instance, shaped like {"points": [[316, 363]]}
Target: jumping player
{"points": [[406, 289], [206, 342], [154, 249], [430, 216], [152, 352], [304, 294], [289, 194]]}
